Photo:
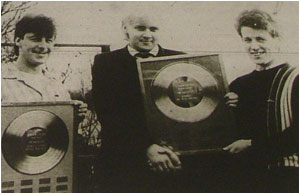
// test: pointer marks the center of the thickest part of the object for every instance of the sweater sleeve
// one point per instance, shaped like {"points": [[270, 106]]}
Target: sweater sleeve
{"points": [[287, 142]]}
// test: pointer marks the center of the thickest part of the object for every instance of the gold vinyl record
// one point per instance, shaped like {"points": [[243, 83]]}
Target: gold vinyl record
{"points": [[185, 92], [35, 142]]}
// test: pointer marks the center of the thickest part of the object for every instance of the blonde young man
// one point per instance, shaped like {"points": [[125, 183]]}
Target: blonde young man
{"points": [[267, 110]]}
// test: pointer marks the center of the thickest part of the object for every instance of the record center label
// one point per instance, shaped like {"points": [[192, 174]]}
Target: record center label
{"points": [[35, 141], [185, 92]]}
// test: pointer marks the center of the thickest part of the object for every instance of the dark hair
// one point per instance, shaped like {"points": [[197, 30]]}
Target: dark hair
{"points": [[257, 19], [39, 25]]}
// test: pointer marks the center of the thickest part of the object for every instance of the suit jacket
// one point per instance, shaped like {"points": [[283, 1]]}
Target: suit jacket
{"points": [[119, 106]]}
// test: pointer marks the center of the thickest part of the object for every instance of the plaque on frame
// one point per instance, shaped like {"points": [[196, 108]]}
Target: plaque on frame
{"points": [[184, 102]]}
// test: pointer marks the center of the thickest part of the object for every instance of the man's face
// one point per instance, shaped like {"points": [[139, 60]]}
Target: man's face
{"points": [[141, 34], [260, 45], [34, 50]]}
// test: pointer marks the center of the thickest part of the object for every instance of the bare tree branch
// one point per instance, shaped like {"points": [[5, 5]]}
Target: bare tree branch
{"points": [[11, 11], [11, 8], [3, 6]]}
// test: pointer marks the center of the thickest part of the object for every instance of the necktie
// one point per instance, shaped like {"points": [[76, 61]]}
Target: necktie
{"points": [[143, 55]]}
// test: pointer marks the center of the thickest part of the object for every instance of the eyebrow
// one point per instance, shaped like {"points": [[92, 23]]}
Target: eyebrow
{"points": [[153, 27], [144, 26]]}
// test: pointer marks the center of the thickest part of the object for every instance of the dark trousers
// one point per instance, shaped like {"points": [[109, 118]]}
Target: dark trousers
{"points": [[263, 180], [283, 180], [199, 174], [122, 181]]}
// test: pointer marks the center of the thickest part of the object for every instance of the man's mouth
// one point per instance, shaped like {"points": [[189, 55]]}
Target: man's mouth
{"points": [[146, 41], [40, 52], [257, 53]]}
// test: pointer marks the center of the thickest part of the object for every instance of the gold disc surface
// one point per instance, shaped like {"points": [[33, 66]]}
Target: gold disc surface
{"points": [[185, 92], [35, 142]]}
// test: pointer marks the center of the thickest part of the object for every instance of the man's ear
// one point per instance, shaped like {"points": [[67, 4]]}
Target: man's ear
{"points": [[126, 35], [278, 44], [18, 41]]}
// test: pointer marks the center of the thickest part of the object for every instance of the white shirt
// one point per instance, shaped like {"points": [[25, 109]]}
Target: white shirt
{"points": [[133, 52], [17, 86]]}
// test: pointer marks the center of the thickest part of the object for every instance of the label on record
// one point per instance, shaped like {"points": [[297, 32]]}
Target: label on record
{"points": [[35, 141], [185, 92]]}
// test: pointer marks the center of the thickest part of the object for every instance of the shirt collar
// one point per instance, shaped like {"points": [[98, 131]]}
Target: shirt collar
{"points": [[133, 52], [10, 71]]}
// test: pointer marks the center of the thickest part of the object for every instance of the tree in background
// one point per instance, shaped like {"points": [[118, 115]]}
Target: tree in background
{"points": [[11, 12]]}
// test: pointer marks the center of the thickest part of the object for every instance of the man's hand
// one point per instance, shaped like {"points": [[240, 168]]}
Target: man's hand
{"points": [[238, 146], [162, 159], [231, 99], [82, 108]]}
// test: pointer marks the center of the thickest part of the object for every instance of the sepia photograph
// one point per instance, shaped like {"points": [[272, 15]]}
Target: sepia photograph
{"points": [[149, 97]]}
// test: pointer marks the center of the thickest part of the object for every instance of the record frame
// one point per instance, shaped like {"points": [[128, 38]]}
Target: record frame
{"points": [[198, 120], [60, 175]]}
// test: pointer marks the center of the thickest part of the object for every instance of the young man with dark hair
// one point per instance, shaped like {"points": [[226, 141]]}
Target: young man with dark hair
{"points": [[267, 110], [26, 80]]}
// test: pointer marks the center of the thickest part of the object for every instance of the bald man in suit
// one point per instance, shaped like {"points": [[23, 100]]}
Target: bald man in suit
{"points": [[128, 151]]}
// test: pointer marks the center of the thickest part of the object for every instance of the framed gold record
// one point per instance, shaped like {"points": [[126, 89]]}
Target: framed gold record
{"points": [[185, 92], [183, 99], [37, 144], [27, 142]]}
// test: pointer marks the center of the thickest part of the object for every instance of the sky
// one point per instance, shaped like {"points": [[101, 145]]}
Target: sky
{"points": [[192, 27]]}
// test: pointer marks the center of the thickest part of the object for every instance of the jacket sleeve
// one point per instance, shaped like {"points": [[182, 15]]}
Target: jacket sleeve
{"points": [[100, 91]]}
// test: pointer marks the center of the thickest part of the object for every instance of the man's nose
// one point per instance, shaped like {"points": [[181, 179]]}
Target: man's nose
{"points": [[254, 45], [43, 44], [147, 33]]}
